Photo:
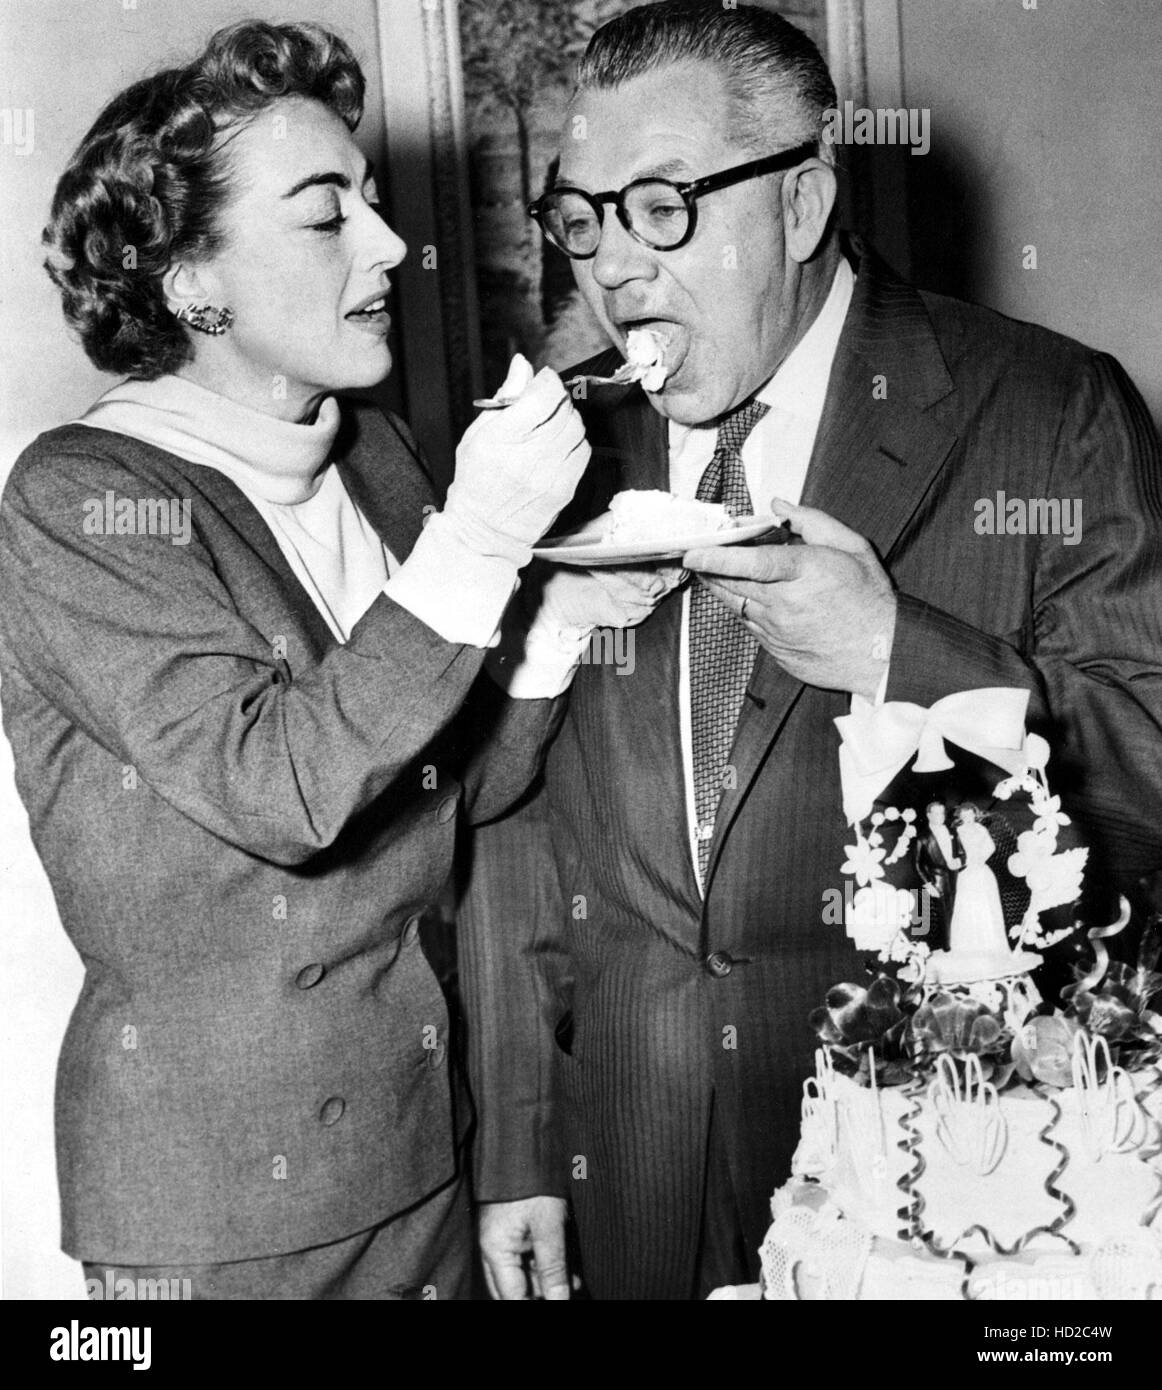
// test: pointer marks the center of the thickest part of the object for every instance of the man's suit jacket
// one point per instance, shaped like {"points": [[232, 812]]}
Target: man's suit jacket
{"points": [[934, 870], [622, 1021], [243, 822]]}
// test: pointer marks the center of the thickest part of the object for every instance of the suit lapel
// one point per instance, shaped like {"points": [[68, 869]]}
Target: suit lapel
{"points": [[389, 485], [876, 454], [629, 440], [240, 514]]}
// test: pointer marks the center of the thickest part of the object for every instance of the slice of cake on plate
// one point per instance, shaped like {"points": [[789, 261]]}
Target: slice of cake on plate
{"points": [[649, 517]]}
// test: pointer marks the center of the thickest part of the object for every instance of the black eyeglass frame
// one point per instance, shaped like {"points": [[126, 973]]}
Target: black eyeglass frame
{"points": [[689, 193]]}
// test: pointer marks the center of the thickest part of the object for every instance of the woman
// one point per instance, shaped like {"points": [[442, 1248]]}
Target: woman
{"points": [[978, 920], [243, 684]]}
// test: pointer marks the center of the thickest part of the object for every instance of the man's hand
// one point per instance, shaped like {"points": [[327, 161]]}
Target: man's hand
{"points": [[824, 610], [511, 1230]]}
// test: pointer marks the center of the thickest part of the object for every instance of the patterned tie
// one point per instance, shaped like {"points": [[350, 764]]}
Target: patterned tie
{"points": [[722, 652]]}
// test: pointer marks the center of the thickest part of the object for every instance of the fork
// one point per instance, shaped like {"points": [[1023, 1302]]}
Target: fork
{"points": [[624, 376]]}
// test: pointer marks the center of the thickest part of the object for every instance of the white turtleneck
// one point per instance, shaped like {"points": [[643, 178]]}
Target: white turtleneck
{"points": [[284, 471]]}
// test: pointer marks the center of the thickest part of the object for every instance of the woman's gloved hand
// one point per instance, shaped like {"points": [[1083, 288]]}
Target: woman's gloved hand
{"points": [[547, 631], [516, 468], [577, 600]]}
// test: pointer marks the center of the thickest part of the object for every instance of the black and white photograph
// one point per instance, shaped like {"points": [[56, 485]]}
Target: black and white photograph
{"points": [[581, 662]]}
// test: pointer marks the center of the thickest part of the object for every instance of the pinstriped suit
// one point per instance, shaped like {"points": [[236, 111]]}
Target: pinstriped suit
{"points": [[600, 1036]]}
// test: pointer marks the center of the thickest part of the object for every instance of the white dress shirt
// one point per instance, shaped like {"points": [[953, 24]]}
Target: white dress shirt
{"points": [[774, 458]]}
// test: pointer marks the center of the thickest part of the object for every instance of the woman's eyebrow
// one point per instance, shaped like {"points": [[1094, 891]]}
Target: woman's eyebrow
{"points": [[333, 178]]}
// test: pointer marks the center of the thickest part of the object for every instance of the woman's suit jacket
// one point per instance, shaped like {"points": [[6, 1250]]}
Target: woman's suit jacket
{"points": [[242, 821]]}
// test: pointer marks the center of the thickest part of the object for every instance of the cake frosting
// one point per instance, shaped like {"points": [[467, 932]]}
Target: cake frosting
{"points": [[961, 1136], [645, 354], [955, 1168], [649, 516]]}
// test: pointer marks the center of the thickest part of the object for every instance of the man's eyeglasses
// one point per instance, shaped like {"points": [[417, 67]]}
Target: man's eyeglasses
{"points": [[657, 212]]}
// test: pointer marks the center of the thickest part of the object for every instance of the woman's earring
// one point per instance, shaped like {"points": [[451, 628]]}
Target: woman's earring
{"points": [[206, 318]]}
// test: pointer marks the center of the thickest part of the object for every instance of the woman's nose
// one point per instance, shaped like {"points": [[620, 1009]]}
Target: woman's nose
{"points": [[383, 246]]}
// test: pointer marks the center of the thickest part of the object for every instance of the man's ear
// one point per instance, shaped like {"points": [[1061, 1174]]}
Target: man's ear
{"points": [[808, 198], [184, 283]]}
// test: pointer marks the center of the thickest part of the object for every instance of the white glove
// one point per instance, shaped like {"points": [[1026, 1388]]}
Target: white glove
{"points": [[546, 634], [516, 468], [576, 600]]}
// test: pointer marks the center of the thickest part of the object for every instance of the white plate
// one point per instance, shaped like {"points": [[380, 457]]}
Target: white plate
{"points": [[586, 548]]}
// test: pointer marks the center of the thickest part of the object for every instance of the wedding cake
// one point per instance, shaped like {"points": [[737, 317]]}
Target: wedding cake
{"points": [[962, 1137]]}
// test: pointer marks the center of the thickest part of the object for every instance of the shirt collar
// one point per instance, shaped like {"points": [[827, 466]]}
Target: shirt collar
{"points": [[799, 387]]}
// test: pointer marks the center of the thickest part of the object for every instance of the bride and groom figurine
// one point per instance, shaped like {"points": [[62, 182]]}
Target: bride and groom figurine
{"points": [[955, 873]]}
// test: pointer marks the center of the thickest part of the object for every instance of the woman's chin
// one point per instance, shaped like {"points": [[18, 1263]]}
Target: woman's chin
{"points": [[358, 373]]}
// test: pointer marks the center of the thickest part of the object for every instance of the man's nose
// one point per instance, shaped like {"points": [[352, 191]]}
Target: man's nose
{"points": [[619, 257]]}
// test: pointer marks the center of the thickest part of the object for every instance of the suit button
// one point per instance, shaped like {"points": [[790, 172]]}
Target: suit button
{"points": [[436, 1055], [411, 931], [720, 964], [332, 1110], [310, 975], [446, 810]]}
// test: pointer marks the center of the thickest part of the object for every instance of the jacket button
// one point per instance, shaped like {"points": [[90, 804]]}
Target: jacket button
{"points": [[332, 1110], [310, 975], [720, 964], [411, 931], [436, 1055], [446, 810]]}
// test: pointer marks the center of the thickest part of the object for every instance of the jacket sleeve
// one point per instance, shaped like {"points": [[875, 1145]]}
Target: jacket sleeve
{"points": [[514, 979], [510, 738], [139, 643], [1091, 651]]}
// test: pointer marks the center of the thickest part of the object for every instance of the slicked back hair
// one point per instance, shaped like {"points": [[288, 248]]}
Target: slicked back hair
{"points": [[778, 84]]}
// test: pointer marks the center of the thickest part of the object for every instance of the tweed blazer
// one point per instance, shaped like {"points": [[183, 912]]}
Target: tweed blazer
{"points": [[645, 1004], [243, 822]]}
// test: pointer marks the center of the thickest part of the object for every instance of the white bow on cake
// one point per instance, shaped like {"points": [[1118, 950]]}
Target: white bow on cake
{"points": [[877, 742]]}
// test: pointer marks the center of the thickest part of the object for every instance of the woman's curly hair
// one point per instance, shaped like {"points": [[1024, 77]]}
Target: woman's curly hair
{"points": [[148, 182]]}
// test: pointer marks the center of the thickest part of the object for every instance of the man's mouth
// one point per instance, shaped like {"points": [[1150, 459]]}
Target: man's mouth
{"points": [[662, 327], [669, 333]]}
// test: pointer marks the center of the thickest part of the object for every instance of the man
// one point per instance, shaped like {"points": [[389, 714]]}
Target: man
{"points": [[643, 942], [936, 862]]}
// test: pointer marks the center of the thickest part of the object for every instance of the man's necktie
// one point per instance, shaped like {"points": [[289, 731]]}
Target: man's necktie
{"points": [[722, 652]]}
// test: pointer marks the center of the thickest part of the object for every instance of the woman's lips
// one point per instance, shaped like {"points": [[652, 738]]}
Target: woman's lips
{"points": [[377, 323]]}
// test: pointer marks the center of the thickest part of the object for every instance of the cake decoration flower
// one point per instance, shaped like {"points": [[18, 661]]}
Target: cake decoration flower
{"points": [[863, 860], [1049, 815], [855, 1021], [876, 915], [1054, 879], [1120, 1002], [962, 1027], [1043, 1049]]}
